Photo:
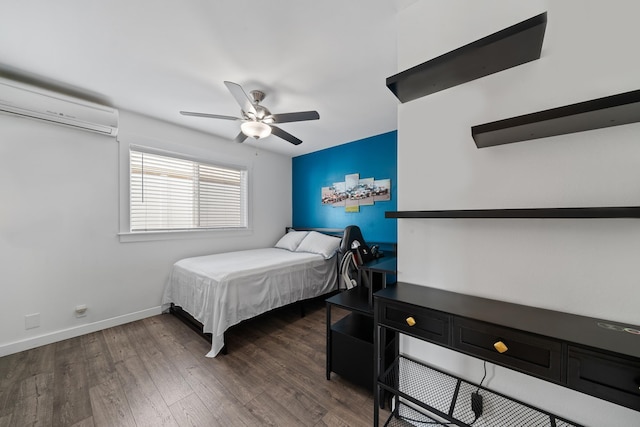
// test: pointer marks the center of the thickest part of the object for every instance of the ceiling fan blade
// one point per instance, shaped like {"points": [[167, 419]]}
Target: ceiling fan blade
{"points": [[295, 117], [211, 116], [241, 97], [285, 135], [240, 138]]}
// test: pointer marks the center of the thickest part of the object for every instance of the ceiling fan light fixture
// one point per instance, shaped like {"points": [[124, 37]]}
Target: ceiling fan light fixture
{"points": [[255, 120], [255, 130]]}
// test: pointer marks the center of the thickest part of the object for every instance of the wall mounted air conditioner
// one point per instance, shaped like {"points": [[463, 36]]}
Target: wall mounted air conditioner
{"points": [[29, 101]]}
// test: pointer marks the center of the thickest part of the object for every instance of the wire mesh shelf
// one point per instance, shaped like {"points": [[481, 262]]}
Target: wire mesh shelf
{"points": [[406, 416], [437, 394]]}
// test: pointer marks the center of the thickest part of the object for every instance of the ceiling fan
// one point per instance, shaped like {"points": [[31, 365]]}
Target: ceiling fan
{"points": [[257, 121]]}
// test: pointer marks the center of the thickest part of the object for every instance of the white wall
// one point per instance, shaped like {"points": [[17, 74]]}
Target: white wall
{"points": [[59, 223], [588, 267]]}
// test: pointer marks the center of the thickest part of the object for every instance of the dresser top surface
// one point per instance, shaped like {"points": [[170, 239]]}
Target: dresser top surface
{"points": [[615, 337]]}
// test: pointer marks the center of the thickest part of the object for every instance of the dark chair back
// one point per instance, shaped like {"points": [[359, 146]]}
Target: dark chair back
{"points": [[351, 233]]}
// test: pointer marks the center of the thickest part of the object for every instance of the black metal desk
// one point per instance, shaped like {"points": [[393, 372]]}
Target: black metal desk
{"points": [[384, 266], [350, 350]]}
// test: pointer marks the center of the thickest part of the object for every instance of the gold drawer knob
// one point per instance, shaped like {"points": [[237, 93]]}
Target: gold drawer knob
{"points": [[411, 321], [501, 347]]}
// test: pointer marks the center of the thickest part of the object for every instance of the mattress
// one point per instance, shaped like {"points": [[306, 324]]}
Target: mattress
{"points": [[222, 290]]}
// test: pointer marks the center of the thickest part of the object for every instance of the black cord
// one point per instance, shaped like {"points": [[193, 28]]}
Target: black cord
{"points": [[477, 400], [483, 377]]}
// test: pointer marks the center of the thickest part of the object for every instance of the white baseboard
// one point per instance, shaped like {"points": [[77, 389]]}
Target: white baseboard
{"points": [[64, 334]]}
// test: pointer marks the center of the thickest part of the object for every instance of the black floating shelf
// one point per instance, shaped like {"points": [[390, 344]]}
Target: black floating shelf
{"points": [[507, 48], [601, 212], [614, 110]]}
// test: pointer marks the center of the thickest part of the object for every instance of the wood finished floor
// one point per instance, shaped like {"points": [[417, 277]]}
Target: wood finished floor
{"points": [[153, 373]]}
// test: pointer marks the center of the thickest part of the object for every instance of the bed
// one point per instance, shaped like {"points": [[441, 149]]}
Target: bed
{"points": [[222, 290]]}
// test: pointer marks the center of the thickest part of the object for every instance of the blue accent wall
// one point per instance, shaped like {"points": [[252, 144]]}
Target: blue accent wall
{"points": [[373, 157]]}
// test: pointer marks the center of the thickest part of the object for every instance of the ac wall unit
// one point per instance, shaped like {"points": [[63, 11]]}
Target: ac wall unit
{"points": [[29, 101]]}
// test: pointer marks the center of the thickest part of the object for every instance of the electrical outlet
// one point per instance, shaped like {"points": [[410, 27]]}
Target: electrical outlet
{"points": [[81, 310], [32, 321]]}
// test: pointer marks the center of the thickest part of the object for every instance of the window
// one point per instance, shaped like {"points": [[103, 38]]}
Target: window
{"points": [[172, 193]]}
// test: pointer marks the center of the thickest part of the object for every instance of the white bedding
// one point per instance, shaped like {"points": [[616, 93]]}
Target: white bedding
{"points": [[224, 289]]}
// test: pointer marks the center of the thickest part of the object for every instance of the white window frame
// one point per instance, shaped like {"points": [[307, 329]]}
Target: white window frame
{"points": [[184, 152]]}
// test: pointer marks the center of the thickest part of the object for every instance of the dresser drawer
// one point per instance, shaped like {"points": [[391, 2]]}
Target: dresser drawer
{"points": [[611, 378], [528, 353], [425, 324]]}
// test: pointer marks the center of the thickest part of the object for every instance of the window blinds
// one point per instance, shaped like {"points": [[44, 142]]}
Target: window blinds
{"points": [[169, 193]]}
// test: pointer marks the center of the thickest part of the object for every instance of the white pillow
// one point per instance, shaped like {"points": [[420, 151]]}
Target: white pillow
{"points": [[320, 244], [291, 240]]}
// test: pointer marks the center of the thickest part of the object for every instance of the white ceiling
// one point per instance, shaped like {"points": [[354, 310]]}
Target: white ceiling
{"points": [[157, 57]]}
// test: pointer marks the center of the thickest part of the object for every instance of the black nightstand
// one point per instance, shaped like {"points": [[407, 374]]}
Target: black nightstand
{"points": [[350, 350]]}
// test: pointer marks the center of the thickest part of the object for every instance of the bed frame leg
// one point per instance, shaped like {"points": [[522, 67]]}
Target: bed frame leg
{"points": [[303, 311], [225, 348]]}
